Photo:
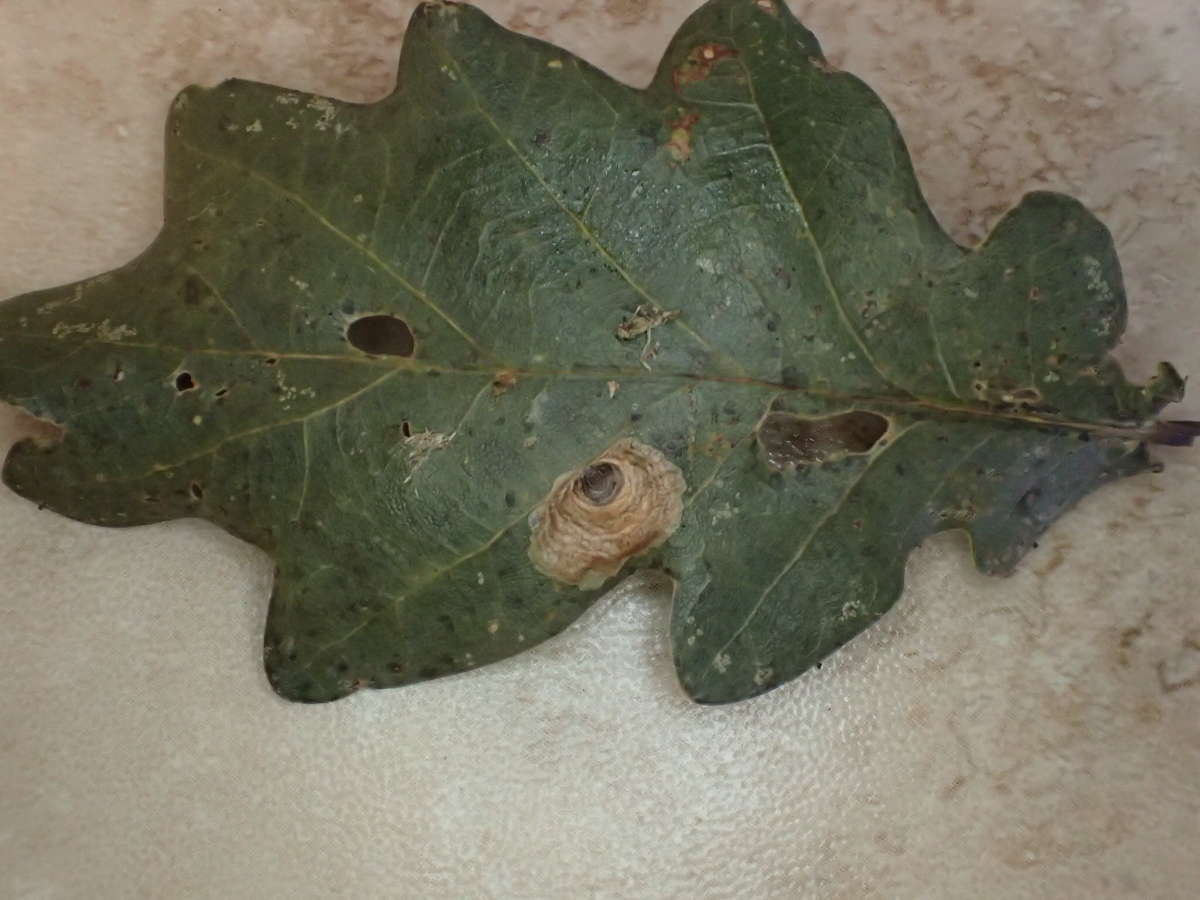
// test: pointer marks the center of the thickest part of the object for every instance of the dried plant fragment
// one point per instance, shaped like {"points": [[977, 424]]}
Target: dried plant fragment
{"points": [[644, 318]]}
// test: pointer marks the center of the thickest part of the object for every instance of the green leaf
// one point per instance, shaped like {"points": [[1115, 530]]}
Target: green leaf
{"points": [[460, 358]]}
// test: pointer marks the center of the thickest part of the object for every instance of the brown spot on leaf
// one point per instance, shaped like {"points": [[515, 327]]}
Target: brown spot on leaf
{"points": [[625, 501], [503, 381], [699, 64], [788, 440]]}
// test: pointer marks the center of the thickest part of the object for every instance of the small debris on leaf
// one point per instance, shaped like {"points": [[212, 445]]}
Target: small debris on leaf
{"points": [[644, 318]]}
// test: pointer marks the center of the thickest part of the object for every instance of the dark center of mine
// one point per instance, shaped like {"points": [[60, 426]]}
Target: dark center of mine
{"points": [[600, 483]]}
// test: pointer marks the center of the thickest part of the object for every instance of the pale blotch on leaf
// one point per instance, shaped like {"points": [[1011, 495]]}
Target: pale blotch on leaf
{"points": [[381, 336], [625, 501], [788, 440], [1001, 393], [680, 143]]}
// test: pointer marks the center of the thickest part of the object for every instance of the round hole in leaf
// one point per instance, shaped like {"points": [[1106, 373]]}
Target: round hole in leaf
{"points": [[381, 336], [184, 382]]}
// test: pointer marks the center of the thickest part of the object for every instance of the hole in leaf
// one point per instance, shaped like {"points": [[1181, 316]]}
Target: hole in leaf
{"points": [[600, 483], [221, 393], [406, 429], [789, 440], [184, 382], [381, 336], [118, 374], [197, 490], [270, 361]]}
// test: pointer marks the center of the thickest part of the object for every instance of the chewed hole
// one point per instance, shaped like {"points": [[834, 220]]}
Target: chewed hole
{"points": [[221, 393], [197, 490], [789, 440], [600, 483], [184, 382], [406, 428], [381, 336]]}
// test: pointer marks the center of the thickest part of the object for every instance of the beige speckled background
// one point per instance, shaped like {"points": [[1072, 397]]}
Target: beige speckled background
{"points": [[1033, 737]]}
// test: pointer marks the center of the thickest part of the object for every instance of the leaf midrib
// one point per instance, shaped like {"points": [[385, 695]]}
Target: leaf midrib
{"points": [[902, 403]]}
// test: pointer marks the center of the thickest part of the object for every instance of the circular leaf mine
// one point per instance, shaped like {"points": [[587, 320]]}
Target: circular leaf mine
{"points": [[595, 518]]}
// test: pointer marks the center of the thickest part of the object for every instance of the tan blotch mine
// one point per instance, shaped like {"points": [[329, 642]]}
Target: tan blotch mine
{"points": [[625, 501]]}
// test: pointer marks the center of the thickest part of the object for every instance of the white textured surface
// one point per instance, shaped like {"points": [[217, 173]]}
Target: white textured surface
{"points": [[1034, 737]]}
